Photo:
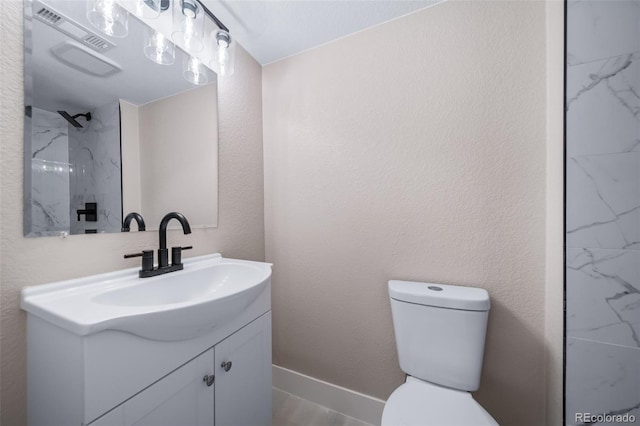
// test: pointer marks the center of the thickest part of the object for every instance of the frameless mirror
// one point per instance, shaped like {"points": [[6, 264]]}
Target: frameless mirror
{"points": [[108, 131]]}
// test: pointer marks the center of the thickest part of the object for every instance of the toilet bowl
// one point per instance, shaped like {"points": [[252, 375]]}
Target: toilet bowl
{"points": [[440, 332], [419, 403]]}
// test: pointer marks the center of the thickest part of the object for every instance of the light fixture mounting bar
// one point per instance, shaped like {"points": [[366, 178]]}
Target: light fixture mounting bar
{"points": [[213, 17]]}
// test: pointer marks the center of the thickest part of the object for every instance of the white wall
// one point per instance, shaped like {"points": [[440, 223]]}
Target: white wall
{"points": [[413, 150], [33, 261]]}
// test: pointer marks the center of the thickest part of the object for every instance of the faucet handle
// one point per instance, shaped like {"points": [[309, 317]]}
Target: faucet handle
{"points": [[130, 255], [147, 259], [176, 254], [90, 212]]}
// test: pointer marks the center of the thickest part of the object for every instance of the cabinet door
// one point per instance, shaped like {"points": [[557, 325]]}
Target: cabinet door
{"points": [[180, 399], [243, 376]]}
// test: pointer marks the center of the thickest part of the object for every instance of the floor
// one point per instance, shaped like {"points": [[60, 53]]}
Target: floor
{"points": [[289, 410]]}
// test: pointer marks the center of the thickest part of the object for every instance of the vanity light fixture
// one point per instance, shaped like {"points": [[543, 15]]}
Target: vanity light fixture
{"points": [[188, 25], [108, 17], [150, 9], [194, 71], [224, 52], [158, 48], [223, 46]]}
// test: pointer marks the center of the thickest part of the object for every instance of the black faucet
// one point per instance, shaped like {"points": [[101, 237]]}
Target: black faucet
{"points": [[138, 218], [163, 253]]}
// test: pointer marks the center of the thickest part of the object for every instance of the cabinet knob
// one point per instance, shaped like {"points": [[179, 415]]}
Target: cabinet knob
{"points": [[209, 379], [226, 365]]}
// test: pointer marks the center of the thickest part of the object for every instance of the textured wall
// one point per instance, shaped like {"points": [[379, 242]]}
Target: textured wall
{"points": [[554, 297], [413, 150], [603, 208], [39, 260]]}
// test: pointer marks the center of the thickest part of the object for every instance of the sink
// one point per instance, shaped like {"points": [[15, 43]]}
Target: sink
{"points": [[208, 292], [215, 281]]}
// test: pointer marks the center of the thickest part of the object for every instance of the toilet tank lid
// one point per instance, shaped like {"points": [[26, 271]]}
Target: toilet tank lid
{"points": [[440, 295]]}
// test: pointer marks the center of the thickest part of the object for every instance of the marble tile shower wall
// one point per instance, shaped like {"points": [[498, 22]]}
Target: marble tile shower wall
{"points": [[603, 208], [47, 213], [95, 177]]}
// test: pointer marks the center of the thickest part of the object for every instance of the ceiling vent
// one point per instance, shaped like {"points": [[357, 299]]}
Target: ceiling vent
{"points": [[54, 19], [97, 43], [83, 59], [48, 16]]}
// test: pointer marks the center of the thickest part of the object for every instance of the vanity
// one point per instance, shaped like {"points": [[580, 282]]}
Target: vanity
{"points": [[192, 347]]}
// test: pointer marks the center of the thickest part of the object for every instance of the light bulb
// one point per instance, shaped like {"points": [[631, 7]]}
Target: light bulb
{"points": [[188, 25], [223, 38], [223, 55], [189, 8]]}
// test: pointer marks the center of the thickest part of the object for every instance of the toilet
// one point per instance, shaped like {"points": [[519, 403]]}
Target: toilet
{"points": [[440, 332]]}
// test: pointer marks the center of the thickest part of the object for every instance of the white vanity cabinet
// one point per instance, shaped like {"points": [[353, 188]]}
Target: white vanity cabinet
{"points": [[243, 377], [115, 350], [188, 396], [181, 398]]}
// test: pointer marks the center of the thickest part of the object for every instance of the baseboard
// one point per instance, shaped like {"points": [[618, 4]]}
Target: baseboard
{"points": [[346, 401]]}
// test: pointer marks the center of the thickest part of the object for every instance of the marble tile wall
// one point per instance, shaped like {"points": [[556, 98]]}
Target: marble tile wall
{"points": [[95, 175], [603, 208], [47, 197]]}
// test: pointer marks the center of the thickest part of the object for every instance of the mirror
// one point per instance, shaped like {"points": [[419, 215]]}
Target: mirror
{"points": [[108, 131]]}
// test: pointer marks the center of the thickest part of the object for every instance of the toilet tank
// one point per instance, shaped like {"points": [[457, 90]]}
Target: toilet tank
{"points": [[440, 331]]}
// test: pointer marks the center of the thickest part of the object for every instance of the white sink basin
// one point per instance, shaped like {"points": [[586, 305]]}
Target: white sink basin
{"points": [[210, 291]]}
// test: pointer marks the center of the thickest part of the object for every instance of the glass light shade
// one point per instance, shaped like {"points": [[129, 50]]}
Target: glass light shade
{"points": [[147, 9], [194, 71], [223, 57], [188, 25], [158, 48], [108, 17]]}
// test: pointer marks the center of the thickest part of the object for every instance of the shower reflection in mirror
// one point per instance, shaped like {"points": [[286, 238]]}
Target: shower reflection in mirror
{"points": [[75, 159]]}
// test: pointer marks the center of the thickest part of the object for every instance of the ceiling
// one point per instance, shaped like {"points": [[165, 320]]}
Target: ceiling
{"points": [[271, 30]]}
